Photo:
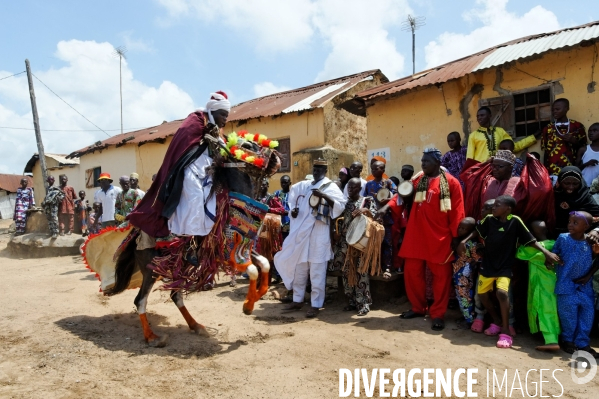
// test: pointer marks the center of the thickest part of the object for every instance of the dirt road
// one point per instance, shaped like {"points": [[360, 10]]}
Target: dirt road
{"points": [[62, 339]]}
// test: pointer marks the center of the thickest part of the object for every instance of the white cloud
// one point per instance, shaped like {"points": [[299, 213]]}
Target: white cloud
{"points": [[139, 45], [497, 26], [90, 83], [265, 88], [268, 25], [356, 42]]}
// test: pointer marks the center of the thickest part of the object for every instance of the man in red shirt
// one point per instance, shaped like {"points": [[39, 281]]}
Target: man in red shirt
{"points": [[433, 222]]}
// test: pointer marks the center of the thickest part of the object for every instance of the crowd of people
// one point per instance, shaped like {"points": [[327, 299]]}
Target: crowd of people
{"points": [[68, 212], [510, 240], [495, 234]]}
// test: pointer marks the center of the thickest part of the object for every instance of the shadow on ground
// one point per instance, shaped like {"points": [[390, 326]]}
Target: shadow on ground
{"points": [[122, 332]]}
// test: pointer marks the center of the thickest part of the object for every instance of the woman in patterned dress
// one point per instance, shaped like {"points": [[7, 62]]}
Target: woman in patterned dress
{"points": [[23, 203]]}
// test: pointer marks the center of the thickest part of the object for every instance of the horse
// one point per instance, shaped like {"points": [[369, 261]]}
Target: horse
{"points": [[132, 260]]}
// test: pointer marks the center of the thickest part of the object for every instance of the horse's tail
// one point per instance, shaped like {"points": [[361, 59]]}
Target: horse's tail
{"points": [[125, 267]]}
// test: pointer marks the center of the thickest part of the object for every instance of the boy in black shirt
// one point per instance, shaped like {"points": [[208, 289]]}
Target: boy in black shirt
{"points": [[502, 233]]}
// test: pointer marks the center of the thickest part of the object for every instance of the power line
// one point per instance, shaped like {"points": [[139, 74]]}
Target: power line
{"points": [[75, 130], [83, 116], [6, 77]]}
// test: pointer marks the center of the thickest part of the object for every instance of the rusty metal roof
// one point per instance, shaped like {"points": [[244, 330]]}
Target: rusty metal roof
{"points": [[492, 57], [11, 183], [152, 134], [304, 98]]}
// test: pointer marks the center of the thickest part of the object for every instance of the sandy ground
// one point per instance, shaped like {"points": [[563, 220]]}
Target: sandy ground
{"points": [[61, 338]]}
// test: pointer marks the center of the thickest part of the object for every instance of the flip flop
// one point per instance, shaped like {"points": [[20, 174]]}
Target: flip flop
{"points": [[493, 330], [477, 326], [548, 348], [410, 314], [504, 341]]}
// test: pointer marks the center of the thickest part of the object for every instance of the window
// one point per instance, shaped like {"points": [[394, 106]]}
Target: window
{"points": [[532, 111], [521, 114], [91, 177], [285, 150]]}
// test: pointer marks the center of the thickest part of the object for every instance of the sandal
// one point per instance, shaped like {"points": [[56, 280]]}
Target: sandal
{"points": [[548, 348], [477, 326], [504, 341], [312, 313], [438, 325], [364, 311], [410, 314], [493, 329], [350, 308], [387, 274]]}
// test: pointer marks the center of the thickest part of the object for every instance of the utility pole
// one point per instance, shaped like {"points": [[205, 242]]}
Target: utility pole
{"points": [[412, 24], [120, 52], [36, 126]]}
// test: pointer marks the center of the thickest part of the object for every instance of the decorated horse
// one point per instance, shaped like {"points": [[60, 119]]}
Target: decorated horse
{"points": [[126, 257]]}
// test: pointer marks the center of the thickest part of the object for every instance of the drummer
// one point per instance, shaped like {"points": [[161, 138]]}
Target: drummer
{"points": [[382, 189], [355, 170], [357, 287]]}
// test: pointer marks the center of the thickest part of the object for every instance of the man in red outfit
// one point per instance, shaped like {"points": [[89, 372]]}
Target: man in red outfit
{"points": [[433, 222]]}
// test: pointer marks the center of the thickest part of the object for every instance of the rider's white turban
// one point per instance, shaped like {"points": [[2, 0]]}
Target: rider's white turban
{"points": [[218, 101]]}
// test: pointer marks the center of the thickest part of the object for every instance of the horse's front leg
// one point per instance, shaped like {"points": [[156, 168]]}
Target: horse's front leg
{"points": [[141, 300], [255, 293], [177, 297]]}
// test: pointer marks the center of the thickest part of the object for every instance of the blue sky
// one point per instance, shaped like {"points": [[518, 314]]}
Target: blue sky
{"points": [[181, 50]]}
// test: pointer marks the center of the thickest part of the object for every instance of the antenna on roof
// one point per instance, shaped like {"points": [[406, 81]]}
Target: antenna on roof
{"points": [[412, 24], [120, 52]]}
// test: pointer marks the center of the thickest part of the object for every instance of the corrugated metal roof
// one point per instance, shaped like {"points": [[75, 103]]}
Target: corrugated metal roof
{"points": [[304, 98], [60, 158], [539, 45], [11, 183], [492, 57], [152, 134]]}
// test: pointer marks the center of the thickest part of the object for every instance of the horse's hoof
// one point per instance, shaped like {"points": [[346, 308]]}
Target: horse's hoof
{"points": [[159, 342], [248, 311], [201, 331]]}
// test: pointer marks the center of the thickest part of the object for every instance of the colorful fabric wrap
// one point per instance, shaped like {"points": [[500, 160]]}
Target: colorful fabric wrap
{"points": [[245, 218]]}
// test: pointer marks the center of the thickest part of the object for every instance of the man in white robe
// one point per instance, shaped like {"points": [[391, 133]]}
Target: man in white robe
{"points": [[307, 248], [196, 210]]}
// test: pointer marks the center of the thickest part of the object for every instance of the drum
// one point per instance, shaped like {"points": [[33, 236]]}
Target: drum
{"points": [[405, 189], [315, 201], [383, 194], [358, 232]]}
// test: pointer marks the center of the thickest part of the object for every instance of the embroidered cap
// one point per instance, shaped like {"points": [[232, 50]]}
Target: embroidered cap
{"points": [[320, 162], [505, 156]]}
